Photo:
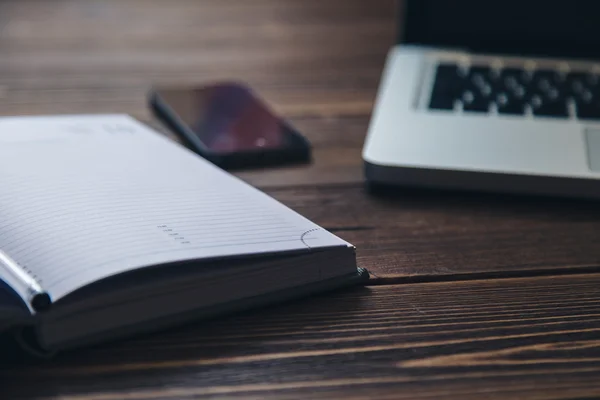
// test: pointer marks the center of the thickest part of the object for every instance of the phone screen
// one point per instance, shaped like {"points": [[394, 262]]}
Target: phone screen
{"points": [[227, 118]]}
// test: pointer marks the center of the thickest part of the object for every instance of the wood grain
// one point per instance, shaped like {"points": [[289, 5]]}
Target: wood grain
{"points": [[498, 339], [318, 63], [415, 235], [306, 58]]}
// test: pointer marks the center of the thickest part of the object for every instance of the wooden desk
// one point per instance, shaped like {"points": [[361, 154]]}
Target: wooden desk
{"points": [[473, 296]]}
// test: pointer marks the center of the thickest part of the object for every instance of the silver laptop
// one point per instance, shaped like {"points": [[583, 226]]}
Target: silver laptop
{"points": [[496, 96]]}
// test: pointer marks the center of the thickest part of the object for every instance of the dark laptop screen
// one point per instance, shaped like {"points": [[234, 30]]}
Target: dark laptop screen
{"points": [[553, 28]]}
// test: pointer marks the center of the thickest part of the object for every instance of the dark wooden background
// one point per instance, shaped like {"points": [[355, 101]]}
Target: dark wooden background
{"points": [[473, 296]]}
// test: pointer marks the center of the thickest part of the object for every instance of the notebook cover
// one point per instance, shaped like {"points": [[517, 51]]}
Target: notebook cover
{"points": [[361, 276]]}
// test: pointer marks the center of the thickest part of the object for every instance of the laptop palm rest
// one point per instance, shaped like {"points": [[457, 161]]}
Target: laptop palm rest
{"points": [[593, 148]]}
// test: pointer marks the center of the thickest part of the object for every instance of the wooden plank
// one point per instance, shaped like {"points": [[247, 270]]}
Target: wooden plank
{"points": [[336, 151], [416, 235], [317, 63], [312, 57], [495, 339]]}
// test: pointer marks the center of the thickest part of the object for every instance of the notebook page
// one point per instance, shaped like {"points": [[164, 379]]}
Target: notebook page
{"points": [[86, 197]]}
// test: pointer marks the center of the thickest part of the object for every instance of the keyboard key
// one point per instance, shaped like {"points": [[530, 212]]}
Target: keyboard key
{"points": [[447, 87], [535, 102], [441, 102], [481, 76], [544, 78], [546, 91], [513, 77], [576, 83], [587, 96], [518, 92], [482, 80], [587, 110], [478, 80], [587, 78], [558, 110], [515, 82], [473, 101], [547, 96], [506, 104], [553, 94], [542, 106]]}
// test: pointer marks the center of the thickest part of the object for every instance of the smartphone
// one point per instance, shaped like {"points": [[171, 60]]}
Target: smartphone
{"points": [[228, 124]]}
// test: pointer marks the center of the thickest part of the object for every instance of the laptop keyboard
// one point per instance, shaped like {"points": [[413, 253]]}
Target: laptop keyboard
{"points": [[516, 91]]}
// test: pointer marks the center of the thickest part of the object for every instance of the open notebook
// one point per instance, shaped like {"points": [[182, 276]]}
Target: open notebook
{"points": [[108, 228]]}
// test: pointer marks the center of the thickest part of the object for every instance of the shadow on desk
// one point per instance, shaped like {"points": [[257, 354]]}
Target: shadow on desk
{"points": [[525, 204], [210, 348], [408, 233]]}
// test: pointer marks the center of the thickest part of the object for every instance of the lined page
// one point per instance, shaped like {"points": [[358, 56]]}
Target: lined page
{"points": [[86, 197]]}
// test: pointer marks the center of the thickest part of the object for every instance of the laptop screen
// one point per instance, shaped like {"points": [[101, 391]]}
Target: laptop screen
{"points": [[527, 27]]}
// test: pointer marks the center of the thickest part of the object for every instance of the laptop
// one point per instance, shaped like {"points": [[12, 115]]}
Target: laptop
{"points": [[499, 96]]}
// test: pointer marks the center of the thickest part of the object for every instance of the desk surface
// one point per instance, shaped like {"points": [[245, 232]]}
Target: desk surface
{"points": [[473, 296]]}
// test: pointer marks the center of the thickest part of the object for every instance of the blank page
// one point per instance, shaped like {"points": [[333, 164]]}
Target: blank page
{"points": [[87, 197]]}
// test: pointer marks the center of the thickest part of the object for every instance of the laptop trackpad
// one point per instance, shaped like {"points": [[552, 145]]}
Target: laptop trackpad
{"points": [[593, 148]]}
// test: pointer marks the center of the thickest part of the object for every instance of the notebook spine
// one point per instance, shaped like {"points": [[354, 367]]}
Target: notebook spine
{"points": [[28, 283]]}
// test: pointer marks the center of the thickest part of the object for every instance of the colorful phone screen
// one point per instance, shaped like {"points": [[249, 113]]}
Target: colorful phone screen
{"points": [[227, 118]]}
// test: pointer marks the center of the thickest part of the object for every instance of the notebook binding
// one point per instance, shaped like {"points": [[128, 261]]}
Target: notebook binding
{"points": [[38, 298]]}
